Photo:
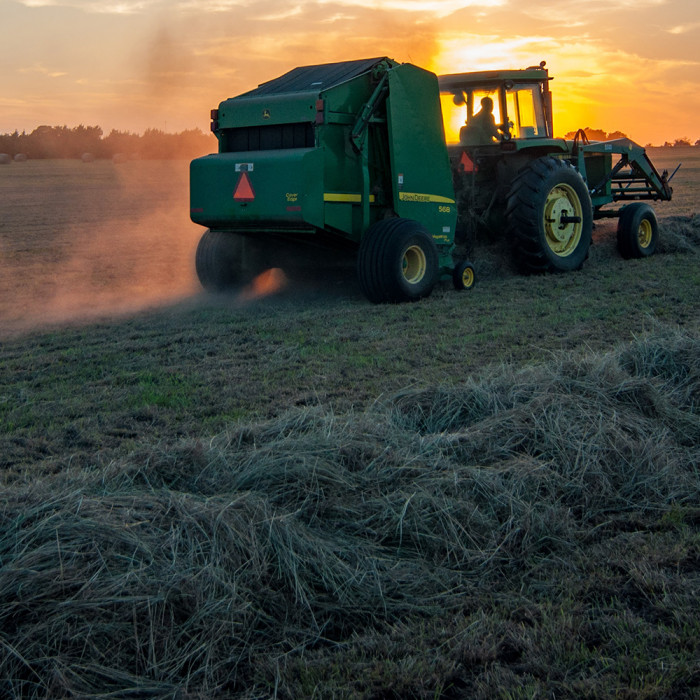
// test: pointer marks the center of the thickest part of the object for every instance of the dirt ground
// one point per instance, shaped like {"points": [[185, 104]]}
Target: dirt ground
{"points": [[81, 241]]}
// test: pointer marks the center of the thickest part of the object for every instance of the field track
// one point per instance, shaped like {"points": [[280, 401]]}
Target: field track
{"points": [[87, 240], [491, 494]]}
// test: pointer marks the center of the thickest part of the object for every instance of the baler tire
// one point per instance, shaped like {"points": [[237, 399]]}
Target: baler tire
{"points": [[397, 261], [637, 231], [543, 192], [463, 276], [217, 261]]}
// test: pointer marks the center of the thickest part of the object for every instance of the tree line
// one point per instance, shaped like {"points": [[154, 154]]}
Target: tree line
{"points": [[601, 135], [75, 142]]}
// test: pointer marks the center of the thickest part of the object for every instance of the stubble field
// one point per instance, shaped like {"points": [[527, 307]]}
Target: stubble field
{"points": [[486, 494]]}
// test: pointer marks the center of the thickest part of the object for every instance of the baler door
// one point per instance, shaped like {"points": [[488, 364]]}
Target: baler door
{"points": [[420, 167]]}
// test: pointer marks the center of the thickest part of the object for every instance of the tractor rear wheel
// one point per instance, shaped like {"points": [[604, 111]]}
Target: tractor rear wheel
{"points": [[637, 231], [397, 261], [549, 217]]}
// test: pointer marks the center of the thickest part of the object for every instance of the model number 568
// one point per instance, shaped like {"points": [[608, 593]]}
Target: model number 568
{"points": [[444, 210]]}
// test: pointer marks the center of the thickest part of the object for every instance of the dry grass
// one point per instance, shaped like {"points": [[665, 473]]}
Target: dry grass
{"points": [[305, 554], [211, 501], [680, 234]]}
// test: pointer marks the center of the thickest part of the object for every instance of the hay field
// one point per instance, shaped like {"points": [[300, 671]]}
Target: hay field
{"points": [[482, 495]]}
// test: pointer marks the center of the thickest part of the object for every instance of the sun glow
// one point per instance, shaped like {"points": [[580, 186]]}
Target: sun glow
{"points": [[580, 71], [629, 65]]}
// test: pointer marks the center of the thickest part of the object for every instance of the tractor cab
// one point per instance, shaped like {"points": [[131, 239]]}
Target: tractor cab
{"points": [[519, 102]]}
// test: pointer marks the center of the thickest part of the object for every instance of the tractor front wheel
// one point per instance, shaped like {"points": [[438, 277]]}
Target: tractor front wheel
{"points": [[550, 217], [637, 231], [397, 261]]}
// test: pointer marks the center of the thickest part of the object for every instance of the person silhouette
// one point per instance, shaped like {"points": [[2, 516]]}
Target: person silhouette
{"points": [[480, 128], [485, 121]]}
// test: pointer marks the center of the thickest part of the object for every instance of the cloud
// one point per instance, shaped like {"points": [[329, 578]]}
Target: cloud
{"points": [[433, 8], [570, 13], [39, 69], [463, 52], [204, 6], [684, 28], [125, 7], [338, 17], [284, 14]]}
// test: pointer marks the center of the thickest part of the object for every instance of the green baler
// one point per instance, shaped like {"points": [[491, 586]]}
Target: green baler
{"points": [[350, 156], [362, 157]]}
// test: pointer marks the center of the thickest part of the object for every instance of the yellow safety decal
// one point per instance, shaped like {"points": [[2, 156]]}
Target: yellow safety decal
{"points": [[415, 197], [351, 198]]}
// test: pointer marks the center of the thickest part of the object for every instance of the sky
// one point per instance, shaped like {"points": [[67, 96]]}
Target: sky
{"points": [[130, 65]]}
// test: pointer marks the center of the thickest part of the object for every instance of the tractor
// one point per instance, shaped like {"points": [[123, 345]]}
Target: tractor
{"points": [[388, 165]]}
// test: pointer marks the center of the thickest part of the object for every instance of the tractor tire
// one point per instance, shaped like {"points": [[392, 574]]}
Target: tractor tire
{"points": [[397, 262], [463, 276], [218, 261], [637, 231], [549, 217]]}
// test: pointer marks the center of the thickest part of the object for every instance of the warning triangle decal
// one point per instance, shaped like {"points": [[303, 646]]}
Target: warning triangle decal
{"points": [[244, 190], [467, 163]]}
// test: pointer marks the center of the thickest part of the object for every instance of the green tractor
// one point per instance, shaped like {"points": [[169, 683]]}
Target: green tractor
{"points": [[388, 165], [513, 176]]}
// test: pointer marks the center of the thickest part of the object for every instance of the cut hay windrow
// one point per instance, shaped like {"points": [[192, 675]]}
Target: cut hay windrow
{"points": [[203, 568], [680, 234]]}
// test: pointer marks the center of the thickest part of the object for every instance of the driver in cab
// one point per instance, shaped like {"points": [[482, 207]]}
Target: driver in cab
{"points": [[481, 128]]}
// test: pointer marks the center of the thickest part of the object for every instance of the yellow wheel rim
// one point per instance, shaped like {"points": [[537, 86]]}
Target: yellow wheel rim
{"points": [[562, 235], [467, 277], [645, 233], [414, 264]]}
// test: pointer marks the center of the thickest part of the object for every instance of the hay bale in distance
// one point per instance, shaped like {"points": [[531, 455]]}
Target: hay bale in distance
{"points": [[20, 157], [5, 158], [87, 157]]}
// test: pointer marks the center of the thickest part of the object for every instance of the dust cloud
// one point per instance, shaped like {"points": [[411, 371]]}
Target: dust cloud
{"points": [[81, 242]]}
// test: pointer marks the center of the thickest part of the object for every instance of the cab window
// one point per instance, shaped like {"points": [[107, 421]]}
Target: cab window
{"points": [[459, 107], [525, 112]]}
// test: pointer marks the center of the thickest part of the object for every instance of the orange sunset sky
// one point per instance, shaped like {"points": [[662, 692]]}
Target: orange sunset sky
{"points": [[632, 65]]}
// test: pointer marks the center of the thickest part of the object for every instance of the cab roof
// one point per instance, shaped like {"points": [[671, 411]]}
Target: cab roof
{"points": [[493, 77]]}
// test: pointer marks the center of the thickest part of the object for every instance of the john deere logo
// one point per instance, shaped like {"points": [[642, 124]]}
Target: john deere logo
{"points": [[266, 113]]}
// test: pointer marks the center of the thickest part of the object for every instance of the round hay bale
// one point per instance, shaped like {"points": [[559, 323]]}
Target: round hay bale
{"points": [[20, 157], [87, 157], [119, 158], [5, 158]]}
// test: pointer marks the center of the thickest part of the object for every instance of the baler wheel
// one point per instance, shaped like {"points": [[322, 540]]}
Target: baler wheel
{"points": [[550, 217], [397, 261], [218, 260], [463, 276], [637, 231]]}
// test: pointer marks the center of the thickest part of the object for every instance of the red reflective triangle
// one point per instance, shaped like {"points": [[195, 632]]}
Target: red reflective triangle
{"points": [[244, 190], [467, 163]]}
